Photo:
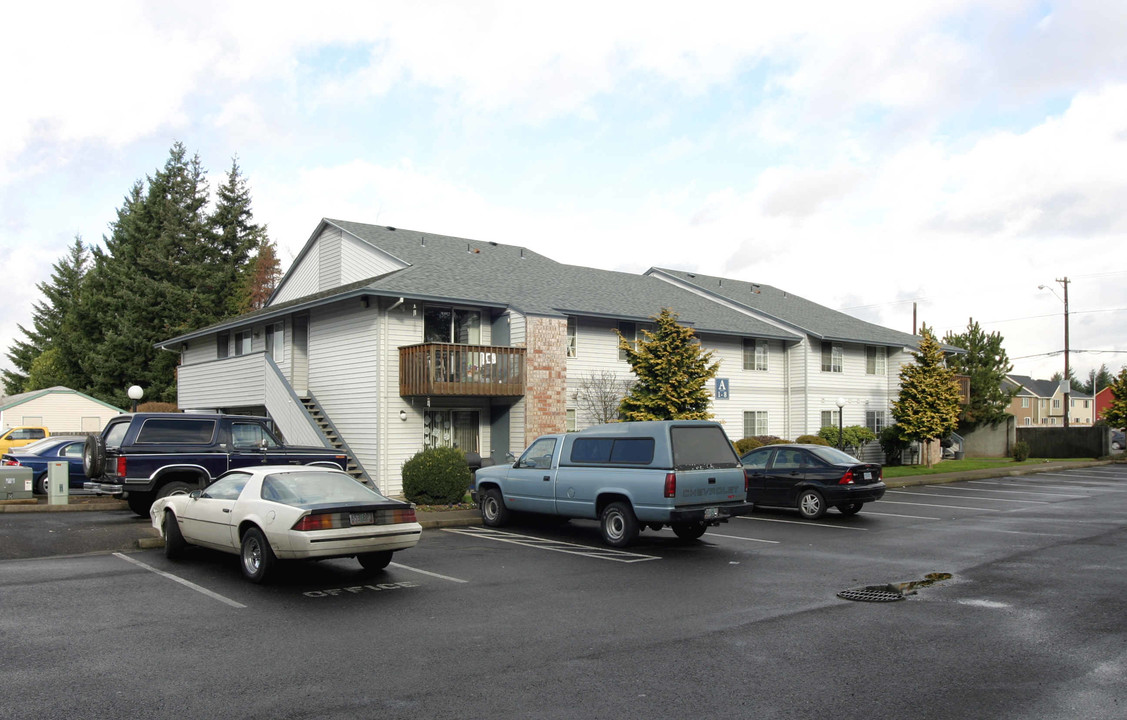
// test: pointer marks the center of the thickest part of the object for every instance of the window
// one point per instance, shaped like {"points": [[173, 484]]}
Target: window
{"points": [[276, 341], [222, 345], [633, 451], [755, 354], [1025, 402], [629, 332], [451, 428], [876, 361], [788, 459], [242, 343], [251, 435], [831, 357], [1056, 403], [228, 487], [1086, 405], [696, 447], [74, 450], [451, 325], [757, 459], [875, 420], [571, 329], [755, 423], [570, 422], [172, 431], [1028, 421], [830, 418], [538, 454]]}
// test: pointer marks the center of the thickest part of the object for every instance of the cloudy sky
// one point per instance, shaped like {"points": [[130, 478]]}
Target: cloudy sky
{"points": [[867, 155]]}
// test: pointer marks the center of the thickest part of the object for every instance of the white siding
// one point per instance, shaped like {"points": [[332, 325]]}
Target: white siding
{"points": [[749, 390], [329, 268], [362, 261], [199, 350], [62, 412], [302, 279], [596, 350], [232, 382], [344, 366], [861, 391], [403, 438]]}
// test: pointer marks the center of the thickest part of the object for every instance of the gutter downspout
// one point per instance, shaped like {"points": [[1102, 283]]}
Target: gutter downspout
{"points": [[396, 304]]}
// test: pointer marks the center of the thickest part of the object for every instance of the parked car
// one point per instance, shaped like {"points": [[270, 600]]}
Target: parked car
{"points": [[811, 478], [21, 436], [279, 512], [40, 454], [1117, 440]]}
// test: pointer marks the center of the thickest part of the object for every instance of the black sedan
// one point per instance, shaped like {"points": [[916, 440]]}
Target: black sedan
{"points": [[811, 478], [38, 455]]}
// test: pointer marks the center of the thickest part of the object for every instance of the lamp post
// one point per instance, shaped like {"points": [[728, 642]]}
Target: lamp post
{"points": [[840, 424], [1066, 383], [135, 392]]}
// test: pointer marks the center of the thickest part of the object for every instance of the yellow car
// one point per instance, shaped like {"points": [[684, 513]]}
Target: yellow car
{"points": [[20, 436]]}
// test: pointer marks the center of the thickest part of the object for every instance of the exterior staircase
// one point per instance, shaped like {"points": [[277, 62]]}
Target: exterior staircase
{"points": [[355, 469]]}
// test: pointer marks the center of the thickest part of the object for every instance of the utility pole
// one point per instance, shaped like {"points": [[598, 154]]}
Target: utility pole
{"points": [[1068, 382]]}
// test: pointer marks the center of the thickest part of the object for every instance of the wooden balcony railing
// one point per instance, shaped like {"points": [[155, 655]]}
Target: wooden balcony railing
{"points": [[467, 370]]}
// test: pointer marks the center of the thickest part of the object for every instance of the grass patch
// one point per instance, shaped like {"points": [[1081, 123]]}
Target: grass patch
{"points": [[949, 466]]}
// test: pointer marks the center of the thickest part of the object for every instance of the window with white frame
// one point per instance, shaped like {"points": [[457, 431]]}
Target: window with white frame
{"points": [[1025, 402], [831, 357], [755, 354], [1086, 405], [1028, 421], [876, 361], [222, 345], [570, 422], [1056, 403], [875, 420], [830, 418], [571, 332], [242, 342], [629, 332], [755, 423], [276, 341]]}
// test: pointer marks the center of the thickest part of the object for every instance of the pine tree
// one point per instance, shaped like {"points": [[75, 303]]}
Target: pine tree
{"points": [[987, 365], [928, 405], [1116, 412], [671, 371], [239, 243], [52, 329], [1097, 380]]}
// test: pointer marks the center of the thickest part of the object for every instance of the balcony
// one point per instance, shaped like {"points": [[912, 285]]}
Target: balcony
{"points": [[446, 369], [964, 388]]}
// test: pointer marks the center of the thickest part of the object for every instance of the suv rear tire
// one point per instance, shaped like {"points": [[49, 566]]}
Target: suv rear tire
{"points": [[94, 456]]}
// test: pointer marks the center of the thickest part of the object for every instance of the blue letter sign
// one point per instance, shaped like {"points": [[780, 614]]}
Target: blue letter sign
{"points": [[721, 388]]}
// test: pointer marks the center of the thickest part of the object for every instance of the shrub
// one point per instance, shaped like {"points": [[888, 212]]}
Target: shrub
{"points": [[768, 439], [746, 445], [436, 476], [777, 441], [1021, 451], [892, 444], [811, 440], [852, 435], [154, 406]]}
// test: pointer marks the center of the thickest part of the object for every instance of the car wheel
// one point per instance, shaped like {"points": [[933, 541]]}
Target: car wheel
{"points": [[140, 503], [493, 510], [811, 505], [689, 531], [375, 560], [176, 487], [40, 486], [618, 524], [849, 508], [257, 559], [174, 542], [94, 456]]}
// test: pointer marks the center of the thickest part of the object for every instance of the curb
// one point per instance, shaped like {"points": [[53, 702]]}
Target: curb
{"points": [[75, 505]]}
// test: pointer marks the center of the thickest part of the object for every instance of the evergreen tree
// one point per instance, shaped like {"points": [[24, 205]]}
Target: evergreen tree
{"points": [[671, 371], [53, 326], [1097, 380], [239, 246], [263, 278], [987, 365], [1116, 412], [928, 405]]}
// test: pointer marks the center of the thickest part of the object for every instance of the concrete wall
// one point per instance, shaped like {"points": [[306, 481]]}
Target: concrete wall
{"points": [[986, 441]]}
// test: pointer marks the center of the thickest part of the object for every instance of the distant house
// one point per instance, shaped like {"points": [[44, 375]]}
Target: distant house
{"points": [[59, 409], [1103, 401], [384, 341], [1040, 403]]}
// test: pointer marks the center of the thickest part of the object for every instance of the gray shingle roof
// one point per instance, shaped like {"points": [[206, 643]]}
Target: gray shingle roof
{"points": [[815, 319], [1042, 388]]}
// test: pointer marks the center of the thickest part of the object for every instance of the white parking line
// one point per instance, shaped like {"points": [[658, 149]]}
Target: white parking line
{"points": [[553, 545], [737, 537], [800, 522], [933, 505], [1016, 491], [910, 517], [182, 581], [965, 497], [427, 572], [1014, 484]]}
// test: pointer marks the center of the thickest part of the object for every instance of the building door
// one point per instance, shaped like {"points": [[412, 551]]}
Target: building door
{"points": [[300, 371]]}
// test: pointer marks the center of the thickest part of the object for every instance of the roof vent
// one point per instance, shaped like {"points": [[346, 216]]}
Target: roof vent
{"points": [[391, 228], [755, 288], [423, 240], [522, 253]]}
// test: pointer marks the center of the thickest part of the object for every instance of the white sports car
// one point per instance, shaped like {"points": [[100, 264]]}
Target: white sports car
{"points": [[283, 512]]}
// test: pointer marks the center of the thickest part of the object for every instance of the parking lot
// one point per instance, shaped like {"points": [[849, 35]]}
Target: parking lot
{"points": [[541, 620]]}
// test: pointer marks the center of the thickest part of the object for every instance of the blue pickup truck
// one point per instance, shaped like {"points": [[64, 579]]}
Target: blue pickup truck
{"points": [[628, 476], [144, 456]]}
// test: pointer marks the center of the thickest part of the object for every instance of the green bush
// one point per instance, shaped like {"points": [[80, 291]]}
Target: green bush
{"points": [[746, 445], [777, 441], [436, 476], [811, 440], [1021, 451], [852, 435], [892, 444]]}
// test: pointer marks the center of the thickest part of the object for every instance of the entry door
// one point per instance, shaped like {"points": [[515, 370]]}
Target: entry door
{"points": [[300, 369]]}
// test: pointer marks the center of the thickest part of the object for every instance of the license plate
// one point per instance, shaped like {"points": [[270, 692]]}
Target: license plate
{"points": [[361, 518], [868, 476], [711, 513]]}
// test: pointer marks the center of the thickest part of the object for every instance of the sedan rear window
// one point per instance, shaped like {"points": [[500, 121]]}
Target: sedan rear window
{"points": [[305, 489]]}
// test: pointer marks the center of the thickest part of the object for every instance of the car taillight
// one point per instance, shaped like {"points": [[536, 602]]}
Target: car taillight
{"points": [[670, 485], [846, 479], [403, 516], [16, 463], [121, 467], [327, 521]]}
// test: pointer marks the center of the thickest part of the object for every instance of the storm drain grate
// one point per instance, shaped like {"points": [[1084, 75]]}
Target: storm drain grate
{"points": [[892, 591], [877, 594]]}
